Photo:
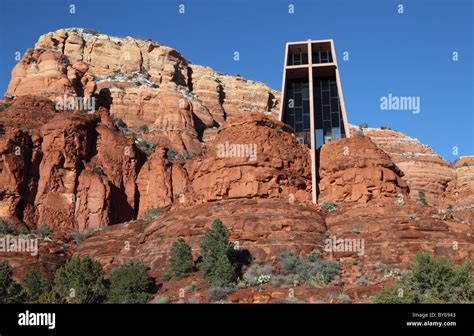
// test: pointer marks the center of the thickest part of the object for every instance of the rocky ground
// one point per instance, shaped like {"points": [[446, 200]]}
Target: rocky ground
{"points": [[153, 142]]}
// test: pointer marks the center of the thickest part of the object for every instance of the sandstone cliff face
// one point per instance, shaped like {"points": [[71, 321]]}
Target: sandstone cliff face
{"points": [[141, 82], [71, 173]]}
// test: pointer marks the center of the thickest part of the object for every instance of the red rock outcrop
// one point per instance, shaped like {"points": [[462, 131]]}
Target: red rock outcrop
{"points": [[15, 157], [423, 169], [355, 170], [254, 156]]}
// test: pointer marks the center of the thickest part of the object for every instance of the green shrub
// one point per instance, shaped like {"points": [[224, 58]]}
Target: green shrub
{"points": [[161, 299], [78, 237], [398, 293], [362, 281], [130, 283], [400, 201], [80, 280], [217, 253], [314, 256], [144, 129], [97, 171], [44, 231], [288, 261], [330, 206], [257, 275], [181, 264], [431, 280], [5, 227], [34, 286], [218, 293], [421, 198], [24, 230], [151, 213], [343, 298], [145, 147], [9, 289], [193, 300], [121, 125], [174, 156], [280, 280], [439, 278], [165, 276], [313, 272], [4, 106]]}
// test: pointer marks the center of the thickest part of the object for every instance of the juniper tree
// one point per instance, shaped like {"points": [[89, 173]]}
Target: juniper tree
{"points": [[217, 254], [181, 263]]}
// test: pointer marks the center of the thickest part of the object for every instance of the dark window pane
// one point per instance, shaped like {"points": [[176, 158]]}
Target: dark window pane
{"points": [[298, 127], [325, 98], [325, 84], [318, 119], [305, 59], [297, 86], [334, 105], [298, 99], [334, 90], [298, 114], [326, 113], [305, 93], [306, 122], [306, 106], [335, 119], [316, 57]]}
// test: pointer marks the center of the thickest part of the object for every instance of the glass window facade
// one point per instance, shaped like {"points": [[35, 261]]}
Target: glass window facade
{"points": [[328, 116], [297, 113], [327, 111]]}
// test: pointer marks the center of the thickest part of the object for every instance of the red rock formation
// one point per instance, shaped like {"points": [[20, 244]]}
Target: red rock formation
{"points": [[143, 82], [423, 169], [15, 156], [355, 170]]}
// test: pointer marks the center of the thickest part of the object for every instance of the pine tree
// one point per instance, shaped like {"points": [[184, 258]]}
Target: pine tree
{"points": [[182, 263], [216, 252], [130, 283], [34, 285], [80, 280], [9, 289]]}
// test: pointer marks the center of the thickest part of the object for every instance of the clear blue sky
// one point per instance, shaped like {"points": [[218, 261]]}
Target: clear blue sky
{"points": [[406, 54]]}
